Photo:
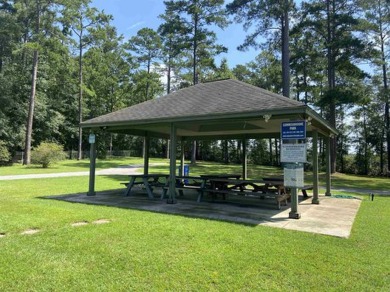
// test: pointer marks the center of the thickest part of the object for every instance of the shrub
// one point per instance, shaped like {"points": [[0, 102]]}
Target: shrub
{"points": [[5, 156], [47, 153]]}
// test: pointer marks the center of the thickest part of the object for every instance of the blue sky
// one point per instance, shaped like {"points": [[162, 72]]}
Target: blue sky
{"points": [[132, 15]]}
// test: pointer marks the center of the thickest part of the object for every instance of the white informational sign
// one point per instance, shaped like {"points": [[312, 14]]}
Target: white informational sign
{"points": [[91, 138], [293, 153], [293, 176]]}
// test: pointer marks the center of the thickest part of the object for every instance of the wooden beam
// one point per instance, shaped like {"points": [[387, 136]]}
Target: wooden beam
{"points": [[92, 166], [146, 154], [244, 160], [172, 167], [182, 157]]}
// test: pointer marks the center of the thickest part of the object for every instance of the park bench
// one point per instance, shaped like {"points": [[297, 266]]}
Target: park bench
{"points": [[305, 189], [257, 188], [147, 180], [186, 183]]}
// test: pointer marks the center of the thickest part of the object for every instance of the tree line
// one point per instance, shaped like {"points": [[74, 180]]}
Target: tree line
{"points": [[62, 61]]}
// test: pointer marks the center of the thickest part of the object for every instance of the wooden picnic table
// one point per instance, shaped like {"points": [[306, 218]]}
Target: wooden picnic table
{"points": [[148, 180], [198, 183], [187, 183], [262, 188]]}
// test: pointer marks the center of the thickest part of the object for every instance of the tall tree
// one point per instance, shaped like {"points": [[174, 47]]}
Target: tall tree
{"points": [[377, 14], [220, 72], [36, 13], [82, 20], [196, 18], [336, 25], [146, 46], [269, 19], [173, 37]]}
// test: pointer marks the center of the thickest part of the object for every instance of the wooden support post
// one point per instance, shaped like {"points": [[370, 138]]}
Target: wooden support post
{"points": [[294, 214], [182, 157], [146, 154], [172, 168], [315, 199], [92, 167], [245, 160]]}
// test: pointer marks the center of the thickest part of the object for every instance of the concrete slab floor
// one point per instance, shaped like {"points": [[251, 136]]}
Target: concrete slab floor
{"points": [[333, 216]]}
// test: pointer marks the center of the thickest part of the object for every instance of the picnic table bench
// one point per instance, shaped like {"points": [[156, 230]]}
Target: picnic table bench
{"points": [[253, 188], [186, 183], [305, 189], [147, 180]]}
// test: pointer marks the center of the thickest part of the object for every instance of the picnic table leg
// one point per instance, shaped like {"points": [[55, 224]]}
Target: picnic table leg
{"points": [[148, 188], [129, 186], [164, 193], [200, 195], [202, 186]]}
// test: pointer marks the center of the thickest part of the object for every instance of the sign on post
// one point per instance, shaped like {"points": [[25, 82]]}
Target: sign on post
{"points": [[294, 130], [293, 154], [291, 150], [293, 175], [92, 138]]}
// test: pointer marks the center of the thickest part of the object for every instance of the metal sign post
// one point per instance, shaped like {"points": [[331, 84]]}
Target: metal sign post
{"points": [[92, 165], [293, 154]]}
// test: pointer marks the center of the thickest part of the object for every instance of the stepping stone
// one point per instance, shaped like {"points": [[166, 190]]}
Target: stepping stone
{"points": [[81, 223], [30, 231], [101, 221]]}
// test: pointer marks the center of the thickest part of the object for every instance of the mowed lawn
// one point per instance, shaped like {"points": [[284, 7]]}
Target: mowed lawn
{"points": [[141, 251]]}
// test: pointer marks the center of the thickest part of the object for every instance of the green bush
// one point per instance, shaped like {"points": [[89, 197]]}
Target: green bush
{"points": [[47, 153], [5, 156]]}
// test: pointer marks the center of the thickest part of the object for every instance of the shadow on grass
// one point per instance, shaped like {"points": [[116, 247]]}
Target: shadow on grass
{"points": [[243, 211]]}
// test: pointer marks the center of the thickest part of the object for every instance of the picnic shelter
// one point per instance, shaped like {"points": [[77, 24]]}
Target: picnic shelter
{"points": [[218, 110]]}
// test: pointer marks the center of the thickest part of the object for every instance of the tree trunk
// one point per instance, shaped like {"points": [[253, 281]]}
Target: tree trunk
{"points": [[226, 151], [193, 153], [169, 76], [366, 158], [80, 147], [30, 118], [34, 75], [387, 93], [194, 76], [285, 52], [331, 81], [276, 152], [147, 81]]}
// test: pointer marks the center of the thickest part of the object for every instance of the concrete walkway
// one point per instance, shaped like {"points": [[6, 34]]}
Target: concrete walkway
{"points": [[333, 216]]}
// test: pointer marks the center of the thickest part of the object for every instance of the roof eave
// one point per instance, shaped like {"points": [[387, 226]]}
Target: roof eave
{"points": [[272, 112]]}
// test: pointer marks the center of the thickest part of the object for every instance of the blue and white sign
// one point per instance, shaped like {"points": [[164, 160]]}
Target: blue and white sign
{"points": [[294, 130], [92, 138]]}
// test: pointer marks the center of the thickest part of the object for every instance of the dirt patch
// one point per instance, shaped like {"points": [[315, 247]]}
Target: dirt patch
{"points": [[80, 223], [30, 231], [101, 221]]}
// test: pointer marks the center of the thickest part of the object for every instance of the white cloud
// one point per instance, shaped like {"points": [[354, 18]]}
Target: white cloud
{"points": [[137, 24]]}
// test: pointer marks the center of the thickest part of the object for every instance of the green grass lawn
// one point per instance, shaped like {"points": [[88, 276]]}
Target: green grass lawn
{"points": [[74, 165], [254, 171], [141, 250]]}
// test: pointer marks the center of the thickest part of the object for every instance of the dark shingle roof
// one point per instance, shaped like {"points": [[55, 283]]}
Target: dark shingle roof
{"points": [[207, 99]]}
